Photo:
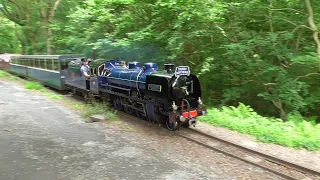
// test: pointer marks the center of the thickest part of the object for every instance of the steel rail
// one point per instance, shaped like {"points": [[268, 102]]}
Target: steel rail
{"points": [[272, 159]]}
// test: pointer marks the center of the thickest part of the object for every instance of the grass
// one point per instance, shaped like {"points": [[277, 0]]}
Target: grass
{"points": [[93, 108], [54, 96], [7, 76], [34, 85], [99, 108], [297, 132], [87, 111], [4, 74], [14, 78], [39, 87]]}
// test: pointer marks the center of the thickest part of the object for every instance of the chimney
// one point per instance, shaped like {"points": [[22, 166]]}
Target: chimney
{"points": [[169, 68]]}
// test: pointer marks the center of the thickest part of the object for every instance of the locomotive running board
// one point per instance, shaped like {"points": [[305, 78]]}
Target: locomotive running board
{"points": [[74, 86], [125, 96], [115, 87]]}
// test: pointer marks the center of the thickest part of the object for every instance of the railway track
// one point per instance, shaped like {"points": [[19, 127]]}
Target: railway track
{"points": [[272, 164]]}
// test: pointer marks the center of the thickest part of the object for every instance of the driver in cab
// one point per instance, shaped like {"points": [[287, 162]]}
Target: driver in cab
{"points": [[85, 68]]}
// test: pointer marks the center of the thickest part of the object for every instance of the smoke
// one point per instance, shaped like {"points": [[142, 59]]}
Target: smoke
{"points": [[127, 50]]}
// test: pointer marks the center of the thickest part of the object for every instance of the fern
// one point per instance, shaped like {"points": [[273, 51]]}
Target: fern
{"points": [[298, 132]]}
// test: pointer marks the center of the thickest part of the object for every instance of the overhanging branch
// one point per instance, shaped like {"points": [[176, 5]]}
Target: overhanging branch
{"points": [[307, 75]]}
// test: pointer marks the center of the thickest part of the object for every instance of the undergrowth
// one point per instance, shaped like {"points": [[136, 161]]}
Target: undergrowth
{"points": [[10, 77], [87, 111], [98, 108], [4, 74], [93, 108], [38, 86], [298, 132], [34, 86]]}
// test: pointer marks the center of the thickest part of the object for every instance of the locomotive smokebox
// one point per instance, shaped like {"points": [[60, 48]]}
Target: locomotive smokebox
{"points": [[169, 68]]}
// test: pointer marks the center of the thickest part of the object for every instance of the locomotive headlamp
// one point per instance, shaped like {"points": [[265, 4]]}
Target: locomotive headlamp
{"points": [[185, 90], [200, 101], [174, 107], [182, 119]]}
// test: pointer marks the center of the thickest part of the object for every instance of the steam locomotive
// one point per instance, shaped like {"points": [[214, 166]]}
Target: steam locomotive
{"points": [[170, 96]]}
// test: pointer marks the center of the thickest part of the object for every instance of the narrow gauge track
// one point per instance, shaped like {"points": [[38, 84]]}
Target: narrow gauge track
{"points": [[272, 164]]}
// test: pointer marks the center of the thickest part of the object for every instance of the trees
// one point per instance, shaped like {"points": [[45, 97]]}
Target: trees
{"points": [[266, 59], [35, 20], [47, 13], [261, 53], [21, 15], [8, 43]]}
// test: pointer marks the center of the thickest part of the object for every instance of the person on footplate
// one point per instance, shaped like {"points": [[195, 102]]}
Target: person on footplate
{"points": [[85, 69]]}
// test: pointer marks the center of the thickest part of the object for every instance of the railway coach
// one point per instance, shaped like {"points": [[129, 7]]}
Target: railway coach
{"points": [[5, 61], [47, 69]]}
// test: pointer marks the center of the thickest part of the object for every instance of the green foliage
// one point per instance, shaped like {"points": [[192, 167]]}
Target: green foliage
{"points": [[4, 74], [34, 85], [296, 133], [311, 59], [98, 108], [14, 78], [8, 40], [53, 96]]}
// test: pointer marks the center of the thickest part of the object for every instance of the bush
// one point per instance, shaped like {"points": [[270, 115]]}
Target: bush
{"points": [[297, 132]]}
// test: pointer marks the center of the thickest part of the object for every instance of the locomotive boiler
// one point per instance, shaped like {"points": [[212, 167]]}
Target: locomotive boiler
{"points": [[171, 96]]}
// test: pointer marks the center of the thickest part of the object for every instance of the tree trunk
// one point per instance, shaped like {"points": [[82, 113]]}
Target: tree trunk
{"points": [[283, 114], [313, 27], [270, 16], [22, 42], [49, 40], [47, 21], [34, 46], [31, 38], [23, 47]]}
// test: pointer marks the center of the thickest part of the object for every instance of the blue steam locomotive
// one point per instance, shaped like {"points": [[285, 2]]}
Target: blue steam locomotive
{"points": [[170, 96]]}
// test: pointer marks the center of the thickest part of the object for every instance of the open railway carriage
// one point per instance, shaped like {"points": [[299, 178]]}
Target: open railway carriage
{"points": [[47, 69], [171, 96]]}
